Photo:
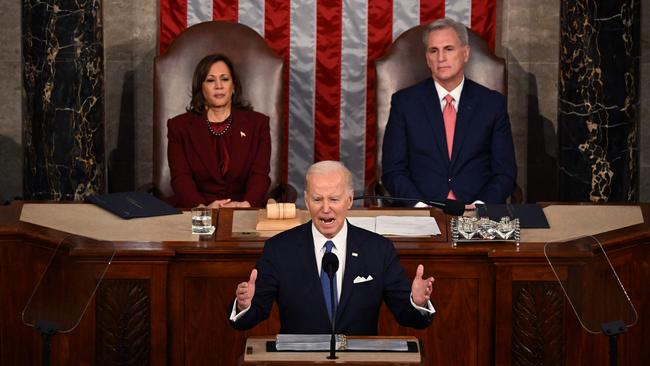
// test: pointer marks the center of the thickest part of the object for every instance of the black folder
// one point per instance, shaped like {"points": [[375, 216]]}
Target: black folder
{"points": [[128, 205], [530, 215]]}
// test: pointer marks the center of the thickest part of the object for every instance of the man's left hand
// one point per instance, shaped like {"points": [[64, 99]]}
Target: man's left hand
{"points": [[236, 204], [421, 289]]}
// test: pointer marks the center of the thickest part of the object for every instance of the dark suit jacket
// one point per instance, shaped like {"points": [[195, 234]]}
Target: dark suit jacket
{"points": [[415, 161], [195, 176], [287, 273]]}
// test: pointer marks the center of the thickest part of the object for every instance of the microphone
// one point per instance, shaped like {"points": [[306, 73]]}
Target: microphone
{"points": [[330, 265], [451, 207]]}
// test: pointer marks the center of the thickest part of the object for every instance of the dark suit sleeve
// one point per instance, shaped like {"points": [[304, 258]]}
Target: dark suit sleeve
{"points": [[397, 293], [258, 180], [266, 289], [182, 180], [395, 161], [502, 159]]}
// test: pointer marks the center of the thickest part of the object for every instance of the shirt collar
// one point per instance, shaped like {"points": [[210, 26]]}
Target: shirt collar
{"points": [[340, 239], [455, 93]]}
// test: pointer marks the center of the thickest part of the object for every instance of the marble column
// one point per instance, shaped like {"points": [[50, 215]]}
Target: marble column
{"points": [[598, 121], [63, 99]]}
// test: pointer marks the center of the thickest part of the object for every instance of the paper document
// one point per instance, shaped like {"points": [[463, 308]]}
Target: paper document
{"points": [[363, 222], [321, 342], [397, 225], [377, 345], [307, 342], [406, 225]]}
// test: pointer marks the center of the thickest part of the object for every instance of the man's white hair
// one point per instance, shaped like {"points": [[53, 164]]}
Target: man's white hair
{"points": [[328, 167]]}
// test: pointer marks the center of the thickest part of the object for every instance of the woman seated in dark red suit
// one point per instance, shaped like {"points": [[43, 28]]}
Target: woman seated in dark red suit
{"points": [[219, 150]]}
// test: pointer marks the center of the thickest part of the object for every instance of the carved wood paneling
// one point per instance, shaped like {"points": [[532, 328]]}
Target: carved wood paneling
{"points": [[123, 323], [537, 323]]}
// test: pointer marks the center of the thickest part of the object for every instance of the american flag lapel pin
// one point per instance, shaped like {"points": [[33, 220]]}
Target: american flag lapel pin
{"points": [[242, 134]]}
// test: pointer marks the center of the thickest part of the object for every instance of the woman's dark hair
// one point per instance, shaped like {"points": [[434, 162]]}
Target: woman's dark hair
{"points": [[197, 104]]}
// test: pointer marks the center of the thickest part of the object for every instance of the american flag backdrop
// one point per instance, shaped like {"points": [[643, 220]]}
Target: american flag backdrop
{"points": [[329, 48]]}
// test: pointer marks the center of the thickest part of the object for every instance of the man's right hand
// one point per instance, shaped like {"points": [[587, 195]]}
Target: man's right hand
{"points": [[246, 291], [219, 203]]}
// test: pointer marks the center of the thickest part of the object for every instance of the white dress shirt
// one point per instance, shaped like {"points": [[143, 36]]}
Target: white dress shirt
{"points": [[455, 94], [340, 241]]}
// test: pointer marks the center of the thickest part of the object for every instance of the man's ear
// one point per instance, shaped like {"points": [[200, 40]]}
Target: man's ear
{"points": [[350, 201], [467, 51]]}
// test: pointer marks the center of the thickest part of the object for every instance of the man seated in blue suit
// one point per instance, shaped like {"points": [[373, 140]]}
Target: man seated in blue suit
{"points": [[289, 270], [447, 136]]}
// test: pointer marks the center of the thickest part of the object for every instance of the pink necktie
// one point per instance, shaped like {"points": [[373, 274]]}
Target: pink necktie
{"points": [[449, 116]]}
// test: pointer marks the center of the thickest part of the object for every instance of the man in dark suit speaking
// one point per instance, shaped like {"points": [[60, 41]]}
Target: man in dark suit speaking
{"points": [[447, 136], [289, 270]]}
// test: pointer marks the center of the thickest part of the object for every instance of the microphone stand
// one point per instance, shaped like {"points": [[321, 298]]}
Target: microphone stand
{"points": [[48, 330], [612, 330], [332, 355]]}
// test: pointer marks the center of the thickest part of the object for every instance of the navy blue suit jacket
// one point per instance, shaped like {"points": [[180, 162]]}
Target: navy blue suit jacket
{"points": [[287, 273], [415, 161]]}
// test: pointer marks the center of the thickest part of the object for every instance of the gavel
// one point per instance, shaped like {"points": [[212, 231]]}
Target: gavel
{"points": [[279, 211]]}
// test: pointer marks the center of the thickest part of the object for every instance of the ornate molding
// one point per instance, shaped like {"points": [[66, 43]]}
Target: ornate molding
{"points": [[123, 323], [537, 323]]}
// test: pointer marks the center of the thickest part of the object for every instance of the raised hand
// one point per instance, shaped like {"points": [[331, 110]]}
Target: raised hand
{"points": [[245, 292], [421, 289]]}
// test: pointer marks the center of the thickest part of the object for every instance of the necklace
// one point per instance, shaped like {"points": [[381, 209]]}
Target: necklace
{"points": [[222, 132]]}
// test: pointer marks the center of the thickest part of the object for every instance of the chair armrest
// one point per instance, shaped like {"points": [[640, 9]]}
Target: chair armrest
{"points": [[147, 187], [517, 196], [152, 189], [375, 188], [283, 192]]}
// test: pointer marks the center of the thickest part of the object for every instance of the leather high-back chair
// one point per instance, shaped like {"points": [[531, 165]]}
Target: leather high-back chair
{"points": [[405, 65], [260, 73]]}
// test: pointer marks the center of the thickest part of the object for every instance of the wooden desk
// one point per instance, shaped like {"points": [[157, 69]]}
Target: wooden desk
{"points": [[165, 302], [255, 354]]}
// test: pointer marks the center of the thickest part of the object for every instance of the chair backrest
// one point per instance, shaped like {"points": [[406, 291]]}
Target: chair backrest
{"points": [[259, 70], [405, 65]]}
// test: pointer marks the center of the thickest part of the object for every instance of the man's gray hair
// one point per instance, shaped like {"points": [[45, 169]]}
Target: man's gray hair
{"points": [[444, 23], [331, 166]]}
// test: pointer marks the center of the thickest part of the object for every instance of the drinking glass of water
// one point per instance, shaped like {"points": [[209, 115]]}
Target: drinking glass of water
{"points": [[202, 221]]}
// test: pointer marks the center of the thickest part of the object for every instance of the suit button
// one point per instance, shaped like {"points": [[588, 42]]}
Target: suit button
{"points": [[449, 180]]}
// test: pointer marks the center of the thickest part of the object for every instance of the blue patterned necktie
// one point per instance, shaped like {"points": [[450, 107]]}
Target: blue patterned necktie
{"points": [[325, 282]]}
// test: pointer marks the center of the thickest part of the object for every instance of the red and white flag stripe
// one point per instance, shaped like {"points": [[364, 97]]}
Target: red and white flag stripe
{"points": [[329, 47]]}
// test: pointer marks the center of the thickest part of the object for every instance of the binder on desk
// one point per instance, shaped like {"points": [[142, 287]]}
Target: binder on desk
{"points": [[530, 215], [365, 351], [129, 205], [321, 343]]}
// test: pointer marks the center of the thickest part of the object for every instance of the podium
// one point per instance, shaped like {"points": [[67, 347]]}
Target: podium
{"points": [[256, 354], [176, 285]]}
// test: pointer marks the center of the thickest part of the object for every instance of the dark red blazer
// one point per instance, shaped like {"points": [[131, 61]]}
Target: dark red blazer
{"points": [[195, 176]]}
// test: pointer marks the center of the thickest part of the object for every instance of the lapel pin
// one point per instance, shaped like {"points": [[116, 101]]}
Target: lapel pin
{"points": [[242, 134], [354, 254]]}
